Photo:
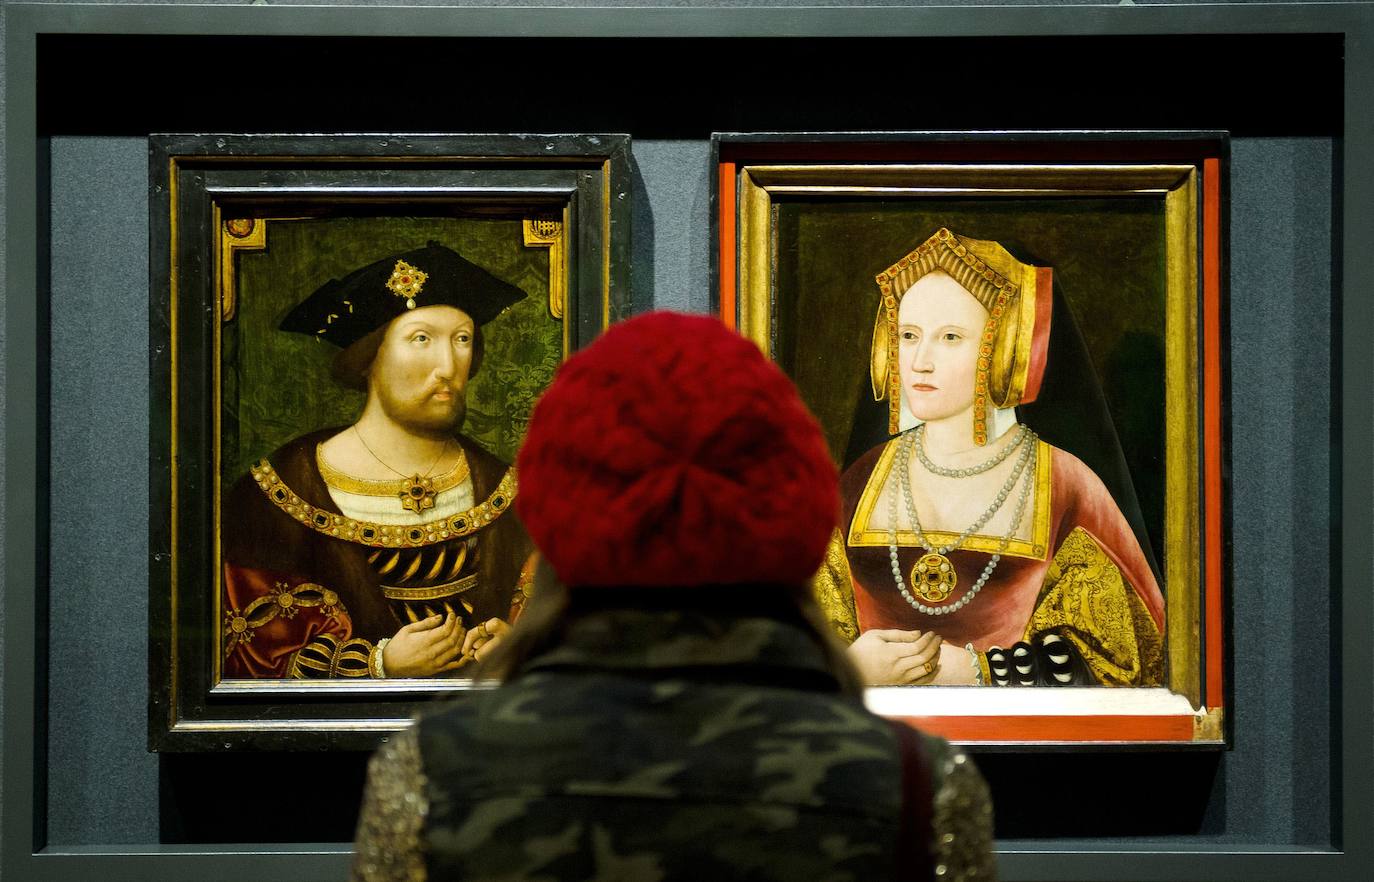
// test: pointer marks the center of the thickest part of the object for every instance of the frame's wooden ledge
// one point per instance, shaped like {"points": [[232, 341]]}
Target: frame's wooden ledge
{"points": [[1118, 717], [974, 701]]}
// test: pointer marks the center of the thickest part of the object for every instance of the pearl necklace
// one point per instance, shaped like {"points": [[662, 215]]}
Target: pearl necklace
{"points": [[918, 444], [933, 575]]}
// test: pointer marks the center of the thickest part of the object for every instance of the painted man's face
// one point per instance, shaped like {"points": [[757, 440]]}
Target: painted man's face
{"points": [[939, 325], [420, 374]]}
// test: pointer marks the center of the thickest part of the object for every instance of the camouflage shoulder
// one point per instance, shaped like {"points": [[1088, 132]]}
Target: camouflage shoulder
{"points": [[962, 815], [390, 825]]}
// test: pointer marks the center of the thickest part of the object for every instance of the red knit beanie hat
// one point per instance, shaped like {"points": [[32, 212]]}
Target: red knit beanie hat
{"points": [[672, 452]]}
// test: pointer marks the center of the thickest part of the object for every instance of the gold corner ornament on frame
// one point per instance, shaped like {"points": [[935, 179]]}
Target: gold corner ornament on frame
{"points": [[236, 235], [328, 283], [544, 233], [1115, 263]]}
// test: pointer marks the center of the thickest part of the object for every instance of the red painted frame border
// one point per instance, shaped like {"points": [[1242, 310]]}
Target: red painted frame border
{"points": [[1211, 426], [729, 269], [1076, 729]]}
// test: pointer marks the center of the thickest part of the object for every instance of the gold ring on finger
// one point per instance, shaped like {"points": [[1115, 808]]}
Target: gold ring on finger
{"points": [[929, 668]]}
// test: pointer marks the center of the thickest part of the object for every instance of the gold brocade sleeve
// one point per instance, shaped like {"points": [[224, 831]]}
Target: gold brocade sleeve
{"points": [[387, 845], [961, 821], [834, 590], [1087, 601]]}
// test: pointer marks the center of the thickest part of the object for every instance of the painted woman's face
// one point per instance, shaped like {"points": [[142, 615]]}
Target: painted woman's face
{"points": [[939, 325]]}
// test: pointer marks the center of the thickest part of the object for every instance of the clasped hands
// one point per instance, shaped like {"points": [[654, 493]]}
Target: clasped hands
{"points": [[439, 644], [892, 657]]}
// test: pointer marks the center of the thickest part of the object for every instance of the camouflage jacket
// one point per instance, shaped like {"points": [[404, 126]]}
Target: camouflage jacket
{"points": [[661, 745]]}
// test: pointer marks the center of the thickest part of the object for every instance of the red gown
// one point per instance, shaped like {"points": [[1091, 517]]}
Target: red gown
{"points": [[1081, 574]]}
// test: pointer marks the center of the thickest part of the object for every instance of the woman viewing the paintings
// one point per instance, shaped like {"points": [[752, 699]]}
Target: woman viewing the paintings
{"points": [[670, 704], [976, 552]]}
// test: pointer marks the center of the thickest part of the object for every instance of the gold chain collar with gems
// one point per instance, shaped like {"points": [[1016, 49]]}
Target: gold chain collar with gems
{"points": [[393, 488], [343, 527]]}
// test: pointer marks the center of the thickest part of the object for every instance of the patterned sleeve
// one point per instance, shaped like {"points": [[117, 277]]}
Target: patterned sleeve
{"points": [[962, 820], [280, 625], [1088, 603], [328, 656], [833, 589], [387, 846]]}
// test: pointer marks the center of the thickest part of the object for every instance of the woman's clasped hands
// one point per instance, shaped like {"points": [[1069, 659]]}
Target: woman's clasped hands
{"points": [[893, 657]]}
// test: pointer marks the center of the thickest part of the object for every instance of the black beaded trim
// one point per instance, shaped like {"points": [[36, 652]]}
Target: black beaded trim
{"points": [[1048, 660]]}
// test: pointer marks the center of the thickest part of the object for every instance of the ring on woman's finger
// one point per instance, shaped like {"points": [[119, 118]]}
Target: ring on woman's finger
{"points": [[929, 668], [482, 632]]}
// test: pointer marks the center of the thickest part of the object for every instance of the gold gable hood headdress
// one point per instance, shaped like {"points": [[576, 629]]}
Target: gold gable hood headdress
{"points": [[1018, 298]]}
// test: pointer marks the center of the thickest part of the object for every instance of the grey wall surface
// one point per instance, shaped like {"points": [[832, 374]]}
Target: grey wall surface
{"points": [[1271, 789], [1281, 225], [3, 329], [104, 785], [99, 570]]}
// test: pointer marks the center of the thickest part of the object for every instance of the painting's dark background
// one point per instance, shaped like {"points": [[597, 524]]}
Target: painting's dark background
{"points": [[1271, 789]]}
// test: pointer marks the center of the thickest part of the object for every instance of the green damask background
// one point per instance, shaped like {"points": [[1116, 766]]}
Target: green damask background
{"points": [[276, 385]]}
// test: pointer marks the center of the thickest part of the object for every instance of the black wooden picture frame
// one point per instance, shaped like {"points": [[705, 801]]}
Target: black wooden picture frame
{"points": [[218, 198]]}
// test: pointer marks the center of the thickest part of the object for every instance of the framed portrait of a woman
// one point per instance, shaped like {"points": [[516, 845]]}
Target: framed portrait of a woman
{"points": [[1013, 344]]}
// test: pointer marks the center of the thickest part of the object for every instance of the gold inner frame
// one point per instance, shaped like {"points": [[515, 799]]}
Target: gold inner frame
{"points": [[1177, 185], [223, 267]]}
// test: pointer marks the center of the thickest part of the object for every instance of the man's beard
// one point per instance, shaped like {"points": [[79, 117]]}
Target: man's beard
{"points": [[426, 416]]}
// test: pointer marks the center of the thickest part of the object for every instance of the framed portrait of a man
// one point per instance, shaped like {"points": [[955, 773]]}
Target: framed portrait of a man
{"points": [[350, 333], [1013, 343]]}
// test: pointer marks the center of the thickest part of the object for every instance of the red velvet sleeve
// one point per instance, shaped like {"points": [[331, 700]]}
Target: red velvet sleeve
{"points": [[268, 616]]}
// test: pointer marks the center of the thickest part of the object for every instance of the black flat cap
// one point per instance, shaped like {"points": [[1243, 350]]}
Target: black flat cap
{"points": [[343, 311]]}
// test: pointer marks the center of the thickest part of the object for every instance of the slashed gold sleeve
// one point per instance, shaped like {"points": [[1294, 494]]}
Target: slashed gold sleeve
{"points": [[834, 590], [1087, 601]]}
